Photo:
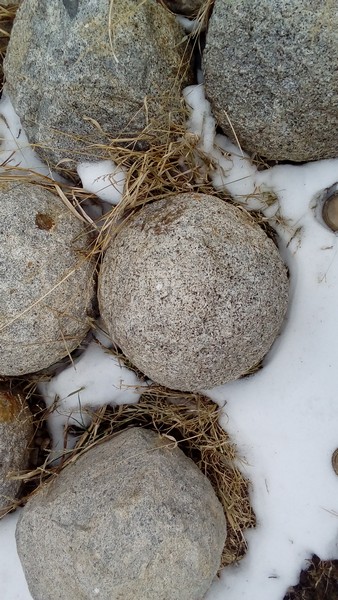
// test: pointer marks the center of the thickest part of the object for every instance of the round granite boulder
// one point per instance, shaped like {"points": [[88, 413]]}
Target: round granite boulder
{"points": [[193, 291], [16, 433], [81, 72], [46, 281], [132, 518], [271, 70]]}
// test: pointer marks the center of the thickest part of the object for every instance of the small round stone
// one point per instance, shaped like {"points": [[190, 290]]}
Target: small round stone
{"points": [[132, 518], [46, 282], [335, 461], [193, 291], [330, 211], [16, 432]]}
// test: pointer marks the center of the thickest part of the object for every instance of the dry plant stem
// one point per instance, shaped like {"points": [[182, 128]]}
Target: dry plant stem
{"points": [[7, 15]]}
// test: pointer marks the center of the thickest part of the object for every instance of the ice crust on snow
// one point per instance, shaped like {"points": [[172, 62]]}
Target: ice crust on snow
{"points": [[283, 419]]}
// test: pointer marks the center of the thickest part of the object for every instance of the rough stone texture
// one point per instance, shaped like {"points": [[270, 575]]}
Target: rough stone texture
{"points": [[273, 68], [16, 432], [193, 291], [46, 284], [6, 3], [62, 67], [130, 519], [185, 7]]}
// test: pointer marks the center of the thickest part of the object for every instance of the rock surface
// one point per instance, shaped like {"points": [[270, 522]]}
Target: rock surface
{"points": [[193, 291], [64, 65], [46, 283], [6, 3], [130, 519], [16, 432], [272, 68]]}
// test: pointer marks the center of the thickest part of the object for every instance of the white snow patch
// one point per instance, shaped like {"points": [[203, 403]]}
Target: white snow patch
{"points": [[103, 178], [15, 150], [13, 585], [96, 378]]}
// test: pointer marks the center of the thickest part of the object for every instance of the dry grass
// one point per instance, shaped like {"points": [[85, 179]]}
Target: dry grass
{"points": [[319, 582], [6, 21]]}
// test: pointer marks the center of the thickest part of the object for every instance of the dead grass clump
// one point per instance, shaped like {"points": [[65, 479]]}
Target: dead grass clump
{"points": [[6, 21], [319, 582], [189, 421]]}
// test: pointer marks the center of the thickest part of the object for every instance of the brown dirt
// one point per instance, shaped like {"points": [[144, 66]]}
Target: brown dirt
{"points": [[319, 582]]}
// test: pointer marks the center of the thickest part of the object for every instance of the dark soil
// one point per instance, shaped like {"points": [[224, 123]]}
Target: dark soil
{"points": [[319, 582]]}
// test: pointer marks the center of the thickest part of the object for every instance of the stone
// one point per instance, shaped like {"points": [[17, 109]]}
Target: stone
{"points": [[77, 82], [330, 207], [270, 70], [193, 291], [132, 518], [6, 3], [190, 8], [16, 433], [46, 281]]}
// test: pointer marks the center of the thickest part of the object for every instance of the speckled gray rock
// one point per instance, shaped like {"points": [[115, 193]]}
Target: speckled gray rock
{"points": [[185, 7], [272, 67], [6, 3], [132, 518], [62, 67], [193, 291], [46, 283], [16, 433]]}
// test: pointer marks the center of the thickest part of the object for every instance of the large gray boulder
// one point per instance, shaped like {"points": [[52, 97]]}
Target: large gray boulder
{"points": [[132, 518], [81, 72], [271, 69], [46, 281], [193, 291], [16, 433]]}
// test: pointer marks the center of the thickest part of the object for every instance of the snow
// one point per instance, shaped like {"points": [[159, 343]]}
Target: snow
{"points": [[283, 419], [15, 150], [96, 378], [13, 584], [104, 179]]}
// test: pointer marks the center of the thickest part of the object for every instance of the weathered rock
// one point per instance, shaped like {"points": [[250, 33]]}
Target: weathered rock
{"points": [[185, 7], [193, 291], [132, 518], [46, 282], [16, 431], [271, 68], [330, 207], [70, 60], [6, 3]]}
